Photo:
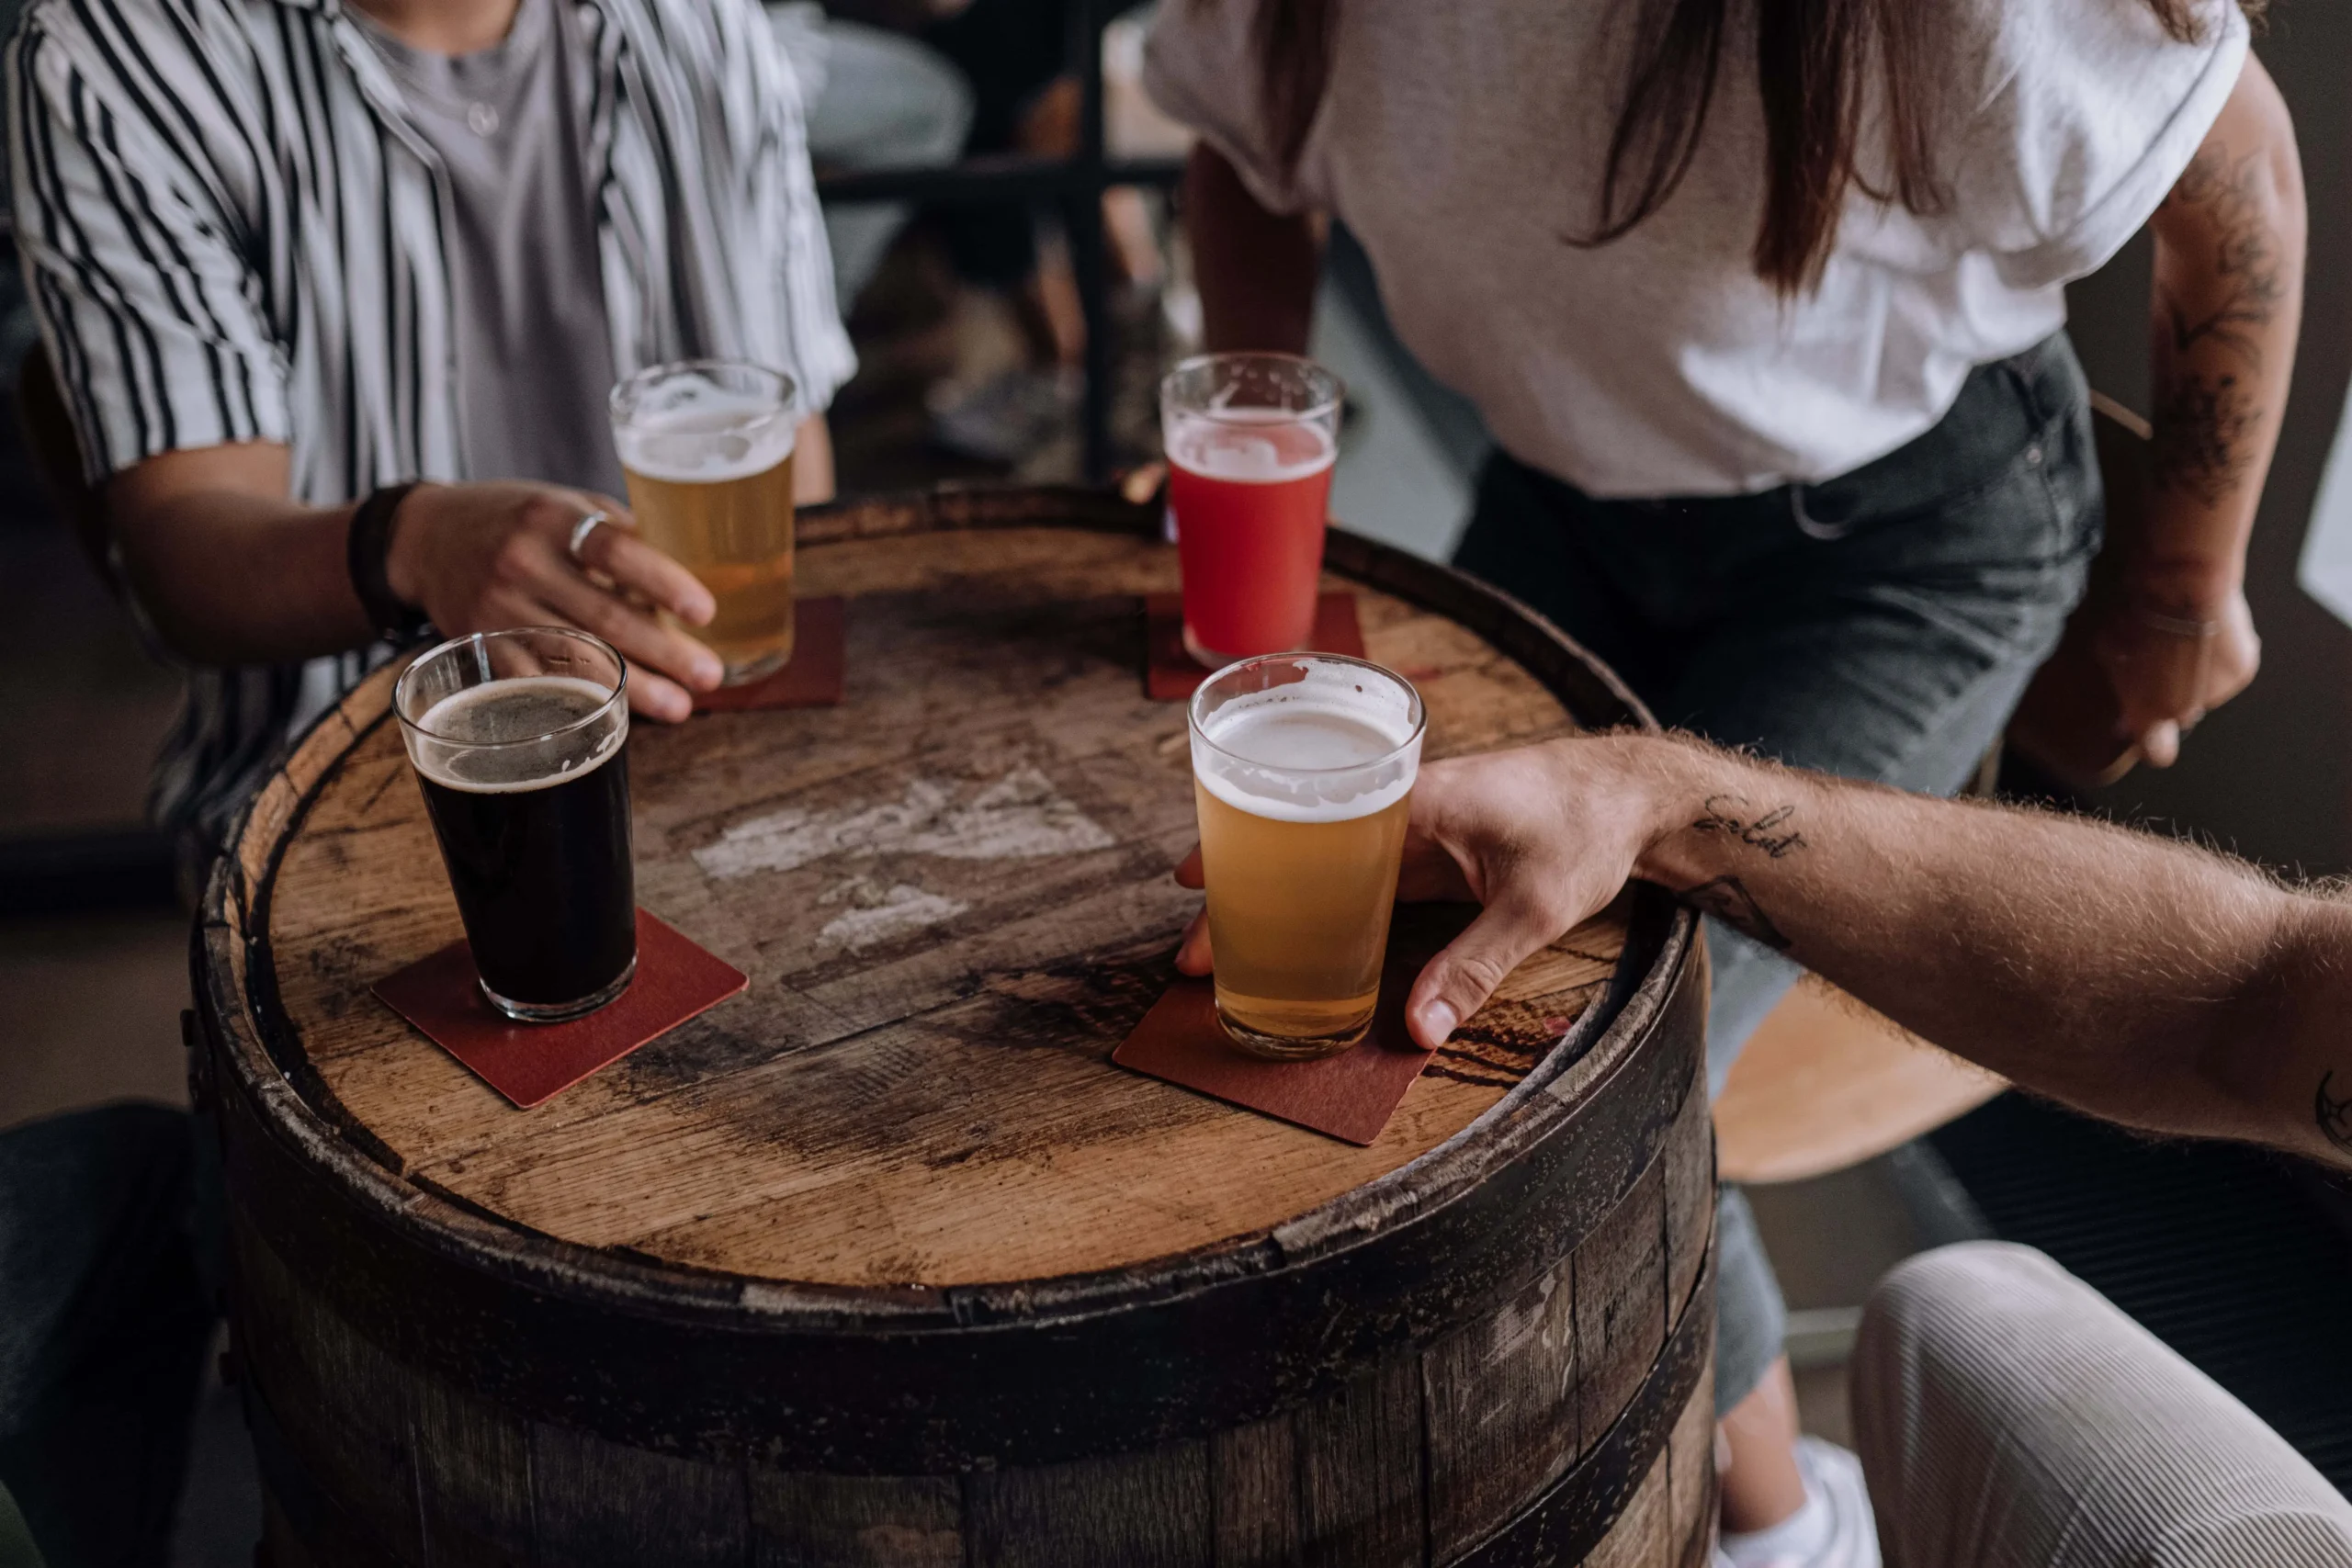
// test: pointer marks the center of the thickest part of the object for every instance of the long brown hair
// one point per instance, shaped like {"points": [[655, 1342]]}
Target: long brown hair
{"points": [[1812, 60]]}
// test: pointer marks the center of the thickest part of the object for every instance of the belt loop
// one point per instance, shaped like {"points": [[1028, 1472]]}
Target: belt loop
{"points": [[1808, 525]]}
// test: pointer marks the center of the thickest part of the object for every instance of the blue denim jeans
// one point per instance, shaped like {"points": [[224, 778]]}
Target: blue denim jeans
{"points": [[104, 1314], [871, 100], [1880, 624]]}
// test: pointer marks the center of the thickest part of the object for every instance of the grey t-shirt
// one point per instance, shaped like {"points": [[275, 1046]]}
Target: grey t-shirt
{"points": [[535, 356]]}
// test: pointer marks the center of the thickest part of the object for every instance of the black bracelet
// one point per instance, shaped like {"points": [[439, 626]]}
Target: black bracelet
{"points": [[366, 548]]}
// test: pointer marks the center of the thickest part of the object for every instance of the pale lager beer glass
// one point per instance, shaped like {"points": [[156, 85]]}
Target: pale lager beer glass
{"points": [[706, 445], [1302, 766]]}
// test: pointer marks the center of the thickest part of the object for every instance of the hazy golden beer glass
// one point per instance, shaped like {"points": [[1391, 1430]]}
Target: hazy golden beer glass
{"points": [[1302, 767], [706, 445]]}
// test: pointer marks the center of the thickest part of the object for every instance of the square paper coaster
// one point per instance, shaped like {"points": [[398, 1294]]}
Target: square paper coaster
{"points": [[811, 680], [1171, 675], [529, 1063], [1348, 1096]]}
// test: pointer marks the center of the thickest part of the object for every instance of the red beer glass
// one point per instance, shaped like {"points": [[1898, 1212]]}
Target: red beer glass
{"points": [[1250, 439]]}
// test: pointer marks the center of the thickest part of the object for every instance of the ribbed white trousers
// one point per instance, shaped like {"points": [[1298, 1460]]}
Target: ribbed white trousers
{"points": [[2010, 1416]]}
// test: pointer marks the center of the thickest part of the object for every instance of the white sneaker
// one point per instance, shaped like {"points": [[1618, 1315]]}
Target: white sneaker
{"points": [[1834, 1530]]}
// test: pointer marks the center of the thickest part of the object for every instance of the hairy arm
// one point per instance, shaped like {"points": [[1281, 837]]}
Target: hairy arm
{"points": [[2227, 306], [1256, 270], [2136, 979]]}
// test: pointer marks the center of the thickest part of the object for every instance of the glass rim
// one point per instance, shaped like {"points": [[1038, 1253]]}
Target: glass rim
{"points": [[1329, 405], [400, 686], [1419, 710], [787, 402]]}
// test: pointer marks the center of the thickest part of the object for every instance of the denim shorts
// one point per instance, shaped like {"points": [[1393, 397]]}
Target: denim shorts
{"points": [[1880, 624]]}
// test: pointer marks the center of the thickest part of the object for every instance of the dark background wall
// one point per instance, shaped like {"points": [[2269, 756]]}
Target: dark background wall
{"points": [[2270, 775]]}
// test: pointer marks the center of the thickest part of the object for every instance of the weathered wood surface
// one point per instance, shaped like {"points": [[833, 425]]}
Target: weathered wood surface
{"points": [[885, 1266], [1473, 1451], [952, 896]]}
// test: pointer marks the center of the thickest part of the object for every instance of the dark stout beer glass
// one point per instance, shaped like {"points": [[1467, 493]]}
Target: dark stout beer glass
{"points": [[520, 742]]}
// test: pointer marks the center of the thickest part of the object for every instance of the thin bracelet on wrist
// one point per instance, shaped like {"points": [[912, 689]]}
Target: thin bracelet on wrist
{"points": [[2175, 625], [366, 549]]}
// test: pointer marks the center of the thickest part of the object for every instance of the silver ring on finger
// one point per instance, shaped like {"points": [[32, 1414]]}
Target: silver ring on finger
{"points": [[580, 532]]}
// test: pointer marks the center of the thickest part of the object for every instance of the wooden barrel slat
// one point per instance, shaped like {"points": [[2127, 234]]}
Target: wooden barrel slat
{"points": [[883, 1263]]}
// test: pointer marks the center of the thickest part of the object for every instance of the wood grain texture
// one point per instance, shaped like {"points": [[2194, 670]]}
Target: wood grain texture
{"points": [[783, 1290], [474, 1478], [1502, 1411], [855, 1521], [599, 1504], [952, 896], [1254, 1495], [1150, 1510], [359, 1476], [1691, 1481], [1359, 1484], [1690, 1175], [1643, 1536], [1621, 1309]]}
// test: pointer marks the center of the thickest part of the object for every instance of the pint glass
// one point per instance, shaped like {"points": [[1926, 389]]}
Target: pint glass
{"points": [[520, 742], [1250, 439], [1302, 765], [707, 447]]}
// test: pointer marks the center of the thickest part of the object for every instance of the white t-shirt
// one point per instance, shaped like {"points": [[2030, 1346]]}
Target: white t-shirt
{"points": [[1461, 140]]}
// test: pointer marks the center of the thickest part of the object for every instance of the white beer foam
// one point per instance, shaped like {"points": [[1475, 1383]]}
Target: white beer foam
{"points": [[1227, 448], [1313, 750], [455, 738], [708, 435]]}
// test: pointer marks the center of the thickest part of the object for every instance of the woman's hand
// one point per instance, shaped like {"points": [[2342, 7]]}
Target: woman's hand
{"points": [[1542, 836], [2170, 669], [480, 558]]}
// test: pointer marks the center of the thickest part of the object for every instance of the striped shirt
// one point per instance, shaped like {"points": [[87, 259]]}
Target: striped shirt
{"points": [[232, 231]]}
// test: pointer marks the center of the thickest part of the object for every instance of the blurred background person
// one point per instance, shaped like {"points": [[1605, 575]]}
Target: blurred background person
{"points": [[876, 99], [1013, 259], [333, 297], [1771, 336]]}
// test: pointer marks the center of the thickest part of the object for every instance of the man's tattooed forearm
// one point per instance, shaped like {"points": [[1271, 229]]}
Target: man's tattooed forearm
{"points": [[1728, 900], [2205, 427], [2334, 1115], [1737, 817], [2248, 260]]}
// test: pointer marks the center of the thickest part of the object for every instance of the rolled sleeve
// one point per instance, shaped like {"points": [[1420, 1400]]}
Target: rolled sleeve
{"points": [[152, 316], [801, 333], [1201, 67], [2097, 113]]}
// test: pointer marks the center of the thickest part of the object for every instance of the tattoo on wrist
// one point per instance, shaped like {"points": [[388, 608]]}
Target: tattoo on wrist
{"points": [[2334, 1115], [1737, 817], [1728, 900]]}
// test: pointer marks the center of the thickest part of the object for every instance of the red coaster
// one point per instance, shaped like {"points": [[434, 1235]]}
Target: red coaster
{"points": [[1171, 675], [811, 680], [529, 1063], [1348, 1096]]}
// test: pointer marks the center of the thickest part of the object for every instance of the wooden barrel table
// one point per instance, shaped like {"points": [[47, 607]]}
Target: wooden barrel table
{"points": [[883, 1261]]}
